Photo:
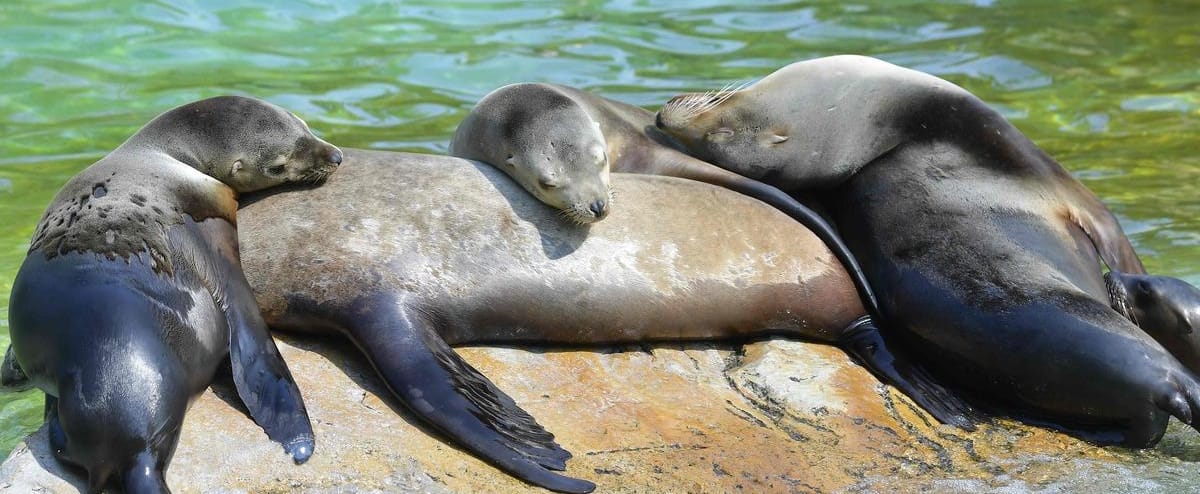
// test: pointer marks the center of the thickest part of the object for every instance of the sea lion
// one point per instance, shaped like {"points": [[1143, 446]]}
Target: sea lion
{"points": [[560, 144], [132, 293], [985, 251], [1166, 308], [451, 251]]}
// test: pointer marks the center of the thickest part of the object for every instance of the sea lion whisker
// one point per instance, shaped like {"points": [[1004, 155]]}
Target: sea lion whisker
{"points": [[690, 106]]}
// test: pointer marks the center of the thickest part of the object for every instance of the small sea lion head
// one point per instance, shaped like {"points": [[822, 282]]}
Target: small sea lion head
{"points": [[246, 143], [546, 143], [737, 128], [1166, 308], [564, 166]]}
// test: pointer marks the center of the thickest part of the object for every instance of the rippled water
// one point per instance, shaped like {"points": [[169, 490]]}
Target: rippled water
{"points": [[1107, 87]]}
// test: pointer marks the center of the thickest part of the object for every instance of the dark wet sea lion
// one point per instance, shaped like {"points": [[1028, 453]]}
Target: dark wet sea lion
{"points": [[132, 293], [407, 254], [1166, 308], [985, 251], [560, 144]]}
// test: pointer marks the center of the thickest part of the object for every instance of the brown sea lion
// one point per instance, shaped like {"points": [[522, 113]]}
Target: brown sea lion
{"points": [[985, 250], [407, 254], [132, 293]]}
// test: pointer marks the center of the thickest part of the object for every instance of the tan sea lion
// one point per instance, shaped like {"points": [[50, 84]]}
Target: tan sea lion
{"points": [[132, 293], [407, 254], [561, 143], [985, 250]]}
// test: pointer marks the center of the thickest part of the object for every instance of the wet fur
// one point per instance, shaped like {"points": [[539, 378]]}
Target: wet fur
{"points": [[986, 252], [132, 292]]}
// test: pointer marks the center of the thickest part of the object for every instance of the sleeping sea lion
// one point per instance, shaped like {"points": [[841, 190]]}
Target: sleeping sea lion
{"points": [[561, 143], [985, 251], [407, 254], [132, 293]]}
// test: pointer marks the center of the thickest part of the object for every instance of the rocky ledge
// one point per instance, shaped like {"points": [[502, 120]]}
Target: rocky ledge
{"points": [[772, 416]]}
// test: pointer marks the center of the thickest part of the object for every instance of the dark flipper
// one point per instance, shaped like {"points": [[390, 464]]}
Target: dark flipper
{"points": [[441, 388], [269, 392], [54, 430], [866, 344], [263, 381], [145, 476], [693, 169], [1105, 233], [10, 371]]}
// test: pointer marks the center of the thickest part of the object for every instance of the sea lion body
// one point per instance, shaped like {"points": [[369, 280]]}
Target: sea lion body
{"points": [[452, 251], [985, 250], [132, 293]]}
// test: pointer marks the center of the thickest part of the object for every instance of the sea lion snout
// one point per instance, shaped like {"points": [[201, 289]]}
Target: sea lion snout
{"points": [[599, 209]]}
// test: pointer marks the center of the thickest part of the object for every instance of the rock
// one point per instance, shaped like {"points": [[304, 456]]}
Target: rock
{"points": [[772, 416]]}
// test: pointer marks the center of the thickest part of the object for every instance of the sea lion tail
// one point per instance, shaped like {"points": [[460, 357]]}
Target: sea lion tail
{"points": [[887, 361]]}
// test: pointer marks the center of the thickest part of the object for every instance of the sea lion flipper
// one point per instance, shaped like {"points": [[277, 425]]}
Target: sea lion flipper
{"points": [[11, 374], [1110, 242], [445, 391], [263, 381], [890, 365]]}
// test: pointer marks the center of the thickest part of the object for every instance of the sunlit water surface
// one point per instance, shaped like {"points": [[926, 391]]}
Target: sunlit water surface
{"points": [[1108, 88]]}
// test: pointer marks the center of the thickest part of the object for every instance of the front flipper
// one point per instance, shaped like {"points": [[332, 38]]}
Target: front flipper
{"points": [[1103, 229], [262, 378], [866, 344], [441, 388], [10, 371]]}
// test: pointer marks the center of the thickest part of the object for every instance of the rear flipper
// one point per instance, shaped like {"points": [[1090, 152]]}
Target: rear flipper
{"points": [[441, 388], [103, 431], [145, 476], [10, 371], [867, 345]]}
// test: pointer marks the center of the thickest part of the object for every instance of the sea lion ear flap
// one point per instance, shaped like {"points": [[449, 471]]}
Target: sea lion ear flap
{"points": [[237, 166], [777, 139]]}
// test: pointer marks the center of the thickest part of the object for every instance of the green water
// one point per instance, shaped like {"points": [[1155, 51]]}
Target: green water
{"points": [[1109, 88]]}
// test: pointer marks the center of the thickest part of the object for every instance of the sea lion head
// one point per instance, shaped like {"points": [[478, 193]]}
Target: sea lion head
{"points": [[246, 143], [546, 142], [1166, 308], [811, 124]]}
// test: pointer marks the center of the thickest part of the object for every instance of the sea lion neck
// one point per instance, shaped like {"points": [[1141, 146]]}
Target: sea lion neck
{"points": [[173, 137]]}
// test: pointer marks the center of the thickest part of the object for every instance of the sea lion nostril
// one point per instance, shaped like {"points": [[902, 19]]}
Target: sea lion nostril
{"points": [[598, 208], [335, 156], [658, 120]]}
